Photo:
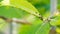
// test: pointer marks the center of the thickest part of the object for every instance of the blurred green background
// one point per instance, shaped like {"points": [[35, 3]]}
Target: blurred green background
{"points": [[42, 6]]}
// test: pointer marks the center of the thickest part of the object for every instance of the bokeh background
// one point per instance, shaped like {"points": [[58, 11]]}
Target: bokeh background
{"points": [[43, 7]]}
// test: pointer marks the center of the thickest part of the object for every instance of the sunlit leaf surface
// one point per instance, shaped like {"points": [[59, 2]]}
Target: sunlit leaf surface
{"points": [[45, 27], [25, 5], [55, 21], [28, 10]]}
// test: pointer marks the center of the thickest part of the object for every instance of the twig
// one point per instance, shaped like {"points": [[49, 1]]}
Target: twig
{"points": [[16, 20]]}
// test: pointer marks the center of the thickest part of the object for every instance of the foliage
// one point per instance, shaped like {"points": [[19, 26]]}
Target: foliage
{"points": [[29, 10], [0, 0]]}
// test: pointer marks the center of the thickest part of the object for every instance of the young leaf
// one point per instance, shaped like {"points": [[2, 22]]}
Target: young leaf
{"points": [[43, 29], [25, 5], [11, 12], [55, 21], [30, 29]]}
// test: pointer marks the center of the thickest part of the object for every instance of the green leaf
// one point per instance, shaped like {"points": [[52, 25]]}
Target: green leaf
{"points": [[25, 5], [1, 0], [43, 29], [30, 29], [21, 9], [55, 21], [11, 12]]}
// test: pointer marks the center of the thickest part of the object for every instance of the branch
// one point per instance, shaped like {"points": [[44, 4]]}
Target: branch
{"points": [[22, 21], [39, 16], [52, 30]]}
